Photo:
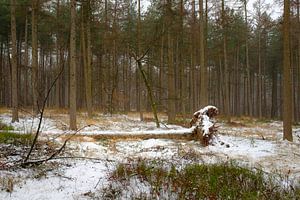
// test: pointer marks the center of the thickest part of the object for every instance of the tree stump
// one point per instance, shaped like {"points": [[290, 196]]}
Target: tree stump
{"points": [[204, 124]]}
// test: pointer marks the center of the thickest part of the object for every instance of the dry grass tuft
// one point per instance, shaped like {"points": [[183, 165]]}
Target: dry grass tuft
{"points": [[4, 110]]}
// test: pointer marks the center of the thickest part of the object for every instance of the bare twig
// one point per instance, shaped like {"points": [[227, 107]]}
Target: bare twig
{"points": [[41, 115], [37, 162]]}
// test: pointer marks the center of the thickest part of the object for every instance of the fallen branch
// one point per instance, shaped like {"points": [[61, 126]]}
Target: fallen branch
{"points": [[83, 158]]}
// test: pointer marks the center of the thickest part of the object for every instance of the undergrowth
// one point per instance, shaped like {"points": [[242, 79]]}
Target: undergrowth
{"points": [[5, 127], [15, 138], [152, 180]]}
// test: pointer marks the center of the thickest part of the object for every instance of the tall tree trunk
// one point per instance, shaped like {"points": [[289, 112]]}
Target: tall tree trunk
{"points": [[106, 68], [88, 72], [86, 55], [26, 61], [226, 70], [259, 78], [138, 88], [72, 56], [2, 83], [35, 92], [180, 62], [247, 95], [161, 67], [8, 77], [204, 77], [287, 85], [297, 108], [171, 71], [58, 53], [171, 81], [83, 56], [193, 71], [14, 62], [209, 79]]}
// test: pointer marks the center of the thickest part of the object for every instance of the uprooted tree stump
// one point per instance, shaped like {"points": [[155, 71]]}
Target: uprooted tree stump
{"points": [[204, 124]]}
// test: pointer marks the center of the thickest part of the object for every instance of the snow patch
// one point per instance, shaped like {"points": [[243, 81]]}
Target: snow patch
{"points": [[239, 146]]}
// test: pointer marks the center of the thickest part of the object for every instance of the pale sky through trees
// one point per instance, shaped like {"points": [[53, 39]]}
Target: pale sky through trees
{"points": [[274, 8]]}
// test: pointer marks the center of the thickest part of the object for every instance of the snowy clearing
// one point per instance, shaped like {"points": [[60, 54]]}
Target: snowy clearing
{"points": [[93, 159]]}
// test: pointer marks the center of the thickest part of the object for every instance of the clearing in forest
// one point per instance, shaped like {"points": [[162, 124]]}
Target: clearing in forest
{"points": [[84, 167]]}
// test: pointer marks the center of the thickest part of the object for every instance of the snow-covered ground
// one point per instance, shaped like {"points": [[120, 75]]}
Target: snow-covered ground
{"points": [[101, 124], [256, 145]]}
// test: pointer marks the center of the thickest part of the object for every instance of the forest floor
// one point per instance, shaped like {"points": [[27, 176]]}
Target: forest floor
{"points": [[83, 169]]}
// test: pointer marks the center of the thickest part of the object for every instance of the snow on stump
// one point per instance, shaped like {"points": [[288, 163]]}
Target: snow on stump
{"points": [[204, 124]]}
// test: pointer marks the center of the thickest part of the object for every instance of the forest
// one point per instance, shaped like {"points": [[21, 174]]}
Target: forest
{"points": [[242, 56], [96, 82]]}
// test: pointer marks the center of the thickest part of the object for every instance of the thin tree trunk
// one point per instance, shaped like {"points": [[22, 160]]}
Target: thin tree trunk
{"points": [[204, 79], [259, 78], [58, 59], [193, 70], [34, 55], [8, 91], [14, 62], [297, 109], [26, 61], [88, 72], [86, 51], [72, 56], [149, 90], [138, 92], [2, 83], [226, 70], [287, 85], [171, 71], [180, 62], [248, 102], [161, 68]]}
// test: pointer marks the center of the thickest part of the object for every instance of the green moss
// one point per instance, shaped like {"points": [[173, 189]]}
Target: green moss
{"points": [[6, 127], [15, 138]]}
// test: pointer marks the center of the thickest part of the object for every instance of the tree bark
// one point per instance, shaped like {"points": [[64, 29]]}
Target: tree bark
{"points": [[181, 105], [26, 61], [88, 71], [14, 62], [34, 35], [297, 84], [72, 55], [247, 96], [204, 77], [226, 70], [58, 54], [274, 106], [259, 78], [287, 85], [171, 71], [138, 88], [86, 55], [2, 77]]}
